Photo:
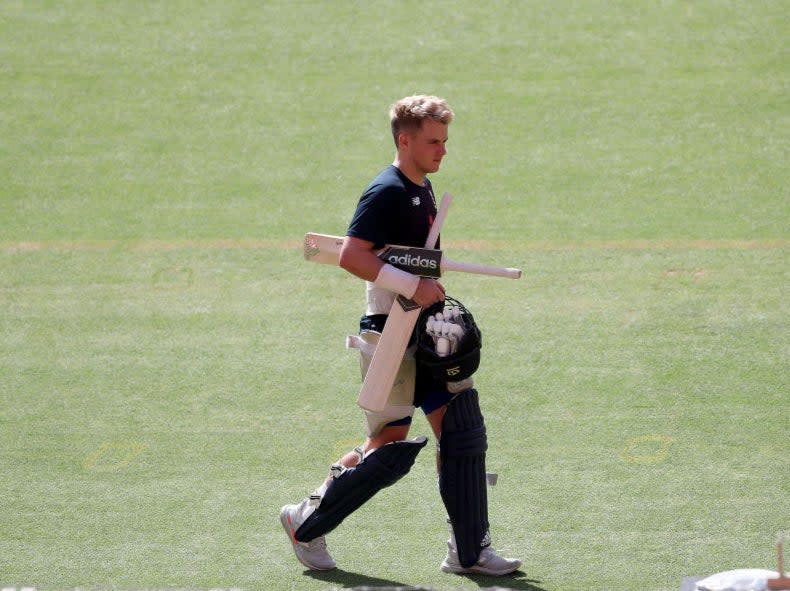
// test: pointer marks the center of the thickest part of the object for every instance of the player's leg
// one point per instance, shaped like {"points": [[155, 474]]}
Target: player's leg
{"points": [[388, 434], [352, 487], [384, 458], [435, 418], [462, 485], [347, 488], [459, 426], [448, 355]]}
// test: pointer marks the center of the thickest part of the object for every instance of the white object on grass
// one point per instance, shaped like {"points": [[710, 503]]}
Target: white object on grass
{"points": [[742, 579]]}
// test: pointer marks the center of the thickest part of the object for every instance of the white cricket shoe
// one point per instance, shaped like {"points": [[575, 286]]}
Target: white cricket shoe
{"points": [[312, 554], [489, 563]]}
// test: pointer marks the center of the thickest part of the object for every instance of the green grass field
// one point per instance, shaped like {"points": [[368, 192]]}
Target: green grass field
{"points": [[172, 371]]}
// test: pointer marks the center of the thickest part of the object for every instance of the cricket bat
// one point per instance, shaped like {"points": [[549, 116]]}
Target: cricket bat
{"points": [[402, 319], [426, 262]]}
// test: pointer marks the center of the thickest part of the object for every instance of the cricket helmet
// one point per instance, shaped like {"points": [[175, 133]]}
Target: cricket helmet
{"points": [[459, 364]]}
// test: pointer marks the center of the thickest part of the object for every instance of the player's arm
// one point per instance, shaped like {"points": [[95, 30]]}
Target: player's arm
{"points": [[358, 258]]}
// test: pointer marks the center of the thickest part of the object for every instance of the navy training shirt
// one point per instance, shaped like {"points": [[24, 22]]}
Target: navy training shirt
{"points": [[394, 210]]}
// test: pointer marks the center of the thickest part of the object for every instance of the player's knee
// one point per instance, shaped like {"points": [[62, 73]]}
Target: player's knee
{"points": [[463, 426], [394, 431]]}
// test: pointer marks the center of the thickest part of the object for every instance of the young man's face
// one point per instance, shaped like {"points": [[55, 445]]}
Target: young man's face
{"points": [[425, 147]]}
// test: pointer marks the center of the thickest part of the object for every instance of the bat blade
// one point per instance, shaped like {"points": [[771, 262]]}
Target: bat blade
{"points": [[388, 355], [322, 248]]}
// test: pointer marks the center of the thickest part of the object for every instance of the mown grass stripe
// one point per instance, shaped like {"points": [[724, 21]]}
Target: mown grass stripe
{"points": [[263, 244]]}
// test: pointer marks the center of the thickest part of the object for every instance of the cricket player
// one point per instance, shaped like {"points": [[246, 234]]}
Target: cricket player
{"points": [[398, 207]]}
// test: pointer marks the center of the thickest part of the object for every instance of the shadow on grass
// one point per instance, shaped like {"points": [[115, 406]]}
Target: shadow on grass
{"points": [[516, 581], [349, 580]]}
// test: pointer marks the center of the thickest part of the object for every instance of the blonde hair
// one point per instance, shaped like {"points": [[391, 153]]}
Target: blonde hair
{"points": [[408, 113]]}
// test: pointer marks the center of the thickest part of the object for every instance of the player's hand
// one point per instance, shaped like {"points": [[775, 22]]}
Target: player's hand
{"points": [[429, 292]]}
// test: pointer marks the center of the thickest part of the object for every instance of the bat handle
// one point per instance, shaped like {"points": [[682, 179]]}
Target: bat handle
{"points": [[436, 226]]}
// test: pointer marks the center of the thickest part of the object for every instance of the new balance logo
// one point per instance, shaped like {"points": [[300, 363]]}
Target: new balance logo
{"points": [[415, 201]]}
